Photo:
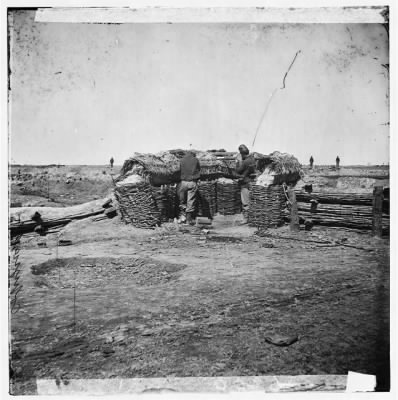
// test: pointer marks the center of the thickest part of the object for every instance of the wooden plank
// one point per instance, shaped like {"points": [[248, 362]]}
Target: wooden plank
{"points": [[294, 218], [335, 198], [29, 226]]}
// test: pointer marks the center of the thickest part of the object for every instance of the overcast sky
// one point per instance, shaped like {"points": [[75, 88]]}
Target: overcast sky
{"points": [[82, 93]]}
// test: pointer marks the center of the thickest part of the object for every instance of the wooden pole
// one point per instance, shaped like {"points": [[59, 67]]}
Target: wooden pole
{"points": [[74, 298], [377, 217], [294, 218]]}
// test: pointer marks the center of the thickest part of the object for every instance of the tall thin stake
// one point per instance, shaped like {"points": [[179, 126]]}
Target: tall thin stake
{"points": [[48, 187], [263, 116], [74, 298], [56, 258]]}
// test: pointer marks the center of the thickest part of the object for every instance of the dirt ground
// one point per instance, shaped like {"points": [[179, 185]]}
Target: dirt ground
{"points": [[127, 302]]}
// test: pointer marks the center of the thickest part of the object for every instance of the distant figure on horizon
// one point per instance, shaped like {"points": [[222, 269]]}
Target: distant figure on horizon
{"points": [[111, 162], [311, 162], [337, 162]]}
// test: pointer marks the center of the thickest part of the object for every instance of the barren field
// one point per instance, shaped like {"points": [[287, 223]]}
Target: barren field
{"points": [[127, 302], [59, 186]]}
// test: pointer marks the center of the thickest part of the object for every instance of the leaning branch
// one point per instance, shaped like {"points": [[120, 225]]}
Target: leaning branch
{"points": [[271, 97], [291, 64]]}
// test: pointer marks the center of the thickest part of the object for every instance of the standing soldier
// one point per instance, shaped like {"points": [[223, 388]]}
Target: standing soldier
{"points": [[111, 162], [244, 169], [338, 162], [188, 191], [311, 162]]}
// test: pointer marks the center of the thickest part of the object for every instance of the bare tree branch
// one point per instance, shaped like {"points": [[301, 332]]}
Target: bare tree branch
{"points": [[294, 59]]}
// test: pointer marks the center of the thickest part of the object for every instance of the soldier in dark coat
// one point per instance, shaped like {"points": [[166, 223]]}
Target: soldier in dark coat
{"points": [[188, 191]]}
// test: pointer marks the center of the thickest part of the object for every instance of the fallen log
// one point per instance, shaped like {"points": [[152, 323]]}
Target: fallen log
{"points": [[338, 209], [17, 228], [85, 215], [339, 221], [29, 226], [350, 218], [225, 154], [360, 199]]}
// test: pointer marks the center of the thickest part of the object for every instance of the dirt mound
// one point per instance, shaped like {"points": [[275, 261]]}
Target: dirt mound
{"points": [[101, 272]]}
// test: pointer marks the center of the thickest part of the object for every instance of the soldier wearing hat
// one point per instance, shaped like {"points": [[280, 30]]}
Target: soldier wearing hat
{"points": [[245, 166]]}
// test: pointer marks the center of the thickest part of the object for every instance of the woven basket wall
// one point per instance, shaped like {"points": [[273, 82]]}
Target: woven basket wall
{"points": [[207, 204], [266, 206], [228, 168], [137, 205], [166, 201], [228, 198]]}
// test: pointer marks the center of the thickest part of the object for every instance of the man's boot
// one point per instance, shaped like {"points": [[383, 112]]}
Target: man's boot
{"points": [[245, 218], [182, 217]]}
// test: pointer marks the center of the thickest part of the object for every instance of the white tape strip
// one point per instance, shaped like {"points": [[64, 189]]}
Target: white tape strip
{"points": [[327, 383], [357, 382], [220, 15]]}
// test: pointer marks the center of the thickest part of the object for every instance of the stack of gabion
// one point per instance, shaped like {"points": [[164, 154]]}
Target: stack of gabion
{"points": [[228, 197], [172, 201], [165, 199], [207, 206], [228, 168], [138, 206], [266, 205]]}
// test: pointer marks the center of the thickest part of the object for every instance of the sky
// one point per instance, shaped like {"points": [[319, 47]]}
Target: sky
{"points": [[81, 93]]}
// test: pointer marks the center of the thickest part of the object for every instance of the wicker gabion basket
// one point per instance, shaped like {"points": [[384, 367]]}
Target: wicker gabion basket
{"points": [[138, 206], [207, 205], [266, 206], [166, 201], [228, 197]]}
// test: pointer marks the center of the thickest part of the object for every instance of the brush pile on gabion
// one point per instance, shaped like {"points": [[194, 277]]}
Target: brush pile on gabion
{"points": [[278, 168], [207, 206], [157, 169], [228, 168], [228, 197], [164, 168], [266, 206]]}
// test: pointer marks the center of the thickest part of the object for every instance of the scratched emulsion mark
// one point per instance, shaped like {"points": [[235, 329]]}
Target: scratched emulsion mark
{"points": [[48, 59], [360, 43], [24, 44], [33, 69]]}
